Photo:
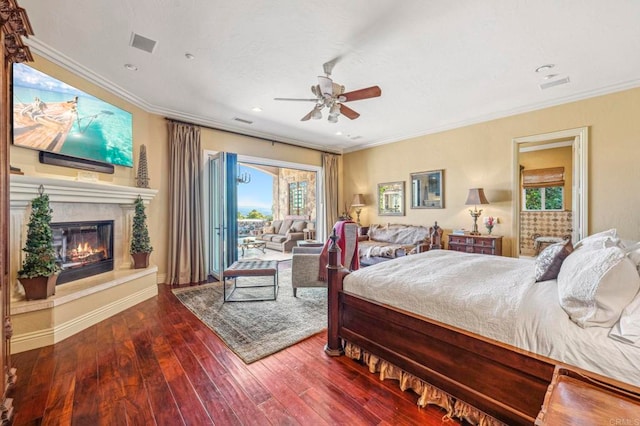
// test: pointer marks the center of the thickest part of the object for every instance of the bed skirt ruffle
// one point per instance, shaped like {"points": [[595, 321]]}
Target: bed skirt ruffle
{"points": [[428, 395]]}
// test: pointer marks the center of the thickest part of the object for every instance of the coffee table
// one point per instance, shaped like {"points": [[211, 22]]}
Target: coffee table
{"points": [[250, 268], [249, 243]]}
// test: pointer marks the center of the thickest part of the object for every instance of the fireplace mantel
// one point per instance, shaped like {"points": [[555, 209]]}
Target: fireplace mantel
{"points": [[23, 189]]}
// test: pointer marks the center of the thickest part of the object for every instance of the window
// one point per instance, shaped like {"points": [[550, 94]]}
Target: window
{"points": [[543, 189], [544, 199]]}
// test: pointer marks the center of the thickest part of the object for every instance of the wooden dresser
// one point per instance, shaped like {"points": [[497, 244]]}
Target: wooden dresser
{"points": [[482, 244]]}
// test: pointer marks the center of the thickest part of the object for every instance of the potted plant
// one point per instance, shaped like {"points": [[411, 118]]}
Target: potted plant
{"points": [[140, 244], [39, 269]]}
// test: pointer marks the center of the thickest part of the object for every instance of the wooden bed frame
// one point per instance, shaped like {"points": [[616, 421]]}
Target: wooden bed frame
{"points": [[505, 382]]}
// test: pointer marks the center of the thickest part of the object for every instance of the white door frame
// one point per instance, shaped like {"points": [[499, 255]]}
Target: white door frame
{"points": [[580, 206]]}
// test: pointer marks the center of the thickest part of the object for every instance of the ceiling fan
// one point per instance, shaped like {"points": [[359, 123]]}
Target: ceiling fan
{"points": [[332, 96]]}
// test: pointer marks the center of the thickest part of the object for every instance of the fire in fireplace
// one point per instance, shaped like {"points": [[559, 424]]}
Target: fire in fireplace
{"points": [[83, 248]]}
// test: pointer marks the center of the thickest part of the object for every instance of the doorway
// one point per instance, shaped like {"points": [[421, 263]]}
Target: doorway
{"points": [[575, 196], [295, 192]]}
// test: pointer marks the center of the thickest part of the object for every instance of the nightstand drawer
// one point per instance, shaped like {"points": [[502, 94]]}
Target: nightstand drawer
{"points": [[481, 244]]}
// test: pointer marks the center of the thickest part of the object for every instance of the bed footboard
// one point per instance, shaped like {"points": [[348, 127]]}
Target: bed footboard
{"points": [[504, 382]]}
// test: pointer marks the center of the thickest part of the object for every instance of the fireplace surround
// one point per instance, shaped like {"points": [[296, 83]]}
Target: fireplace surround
{"points": [[83, 302]]}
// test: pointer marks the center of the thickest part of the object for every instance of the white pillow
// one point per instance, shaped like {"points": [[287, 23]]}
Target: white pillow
{"points": [[594, 286], [633, 253], [602, 239], [627, 330]]}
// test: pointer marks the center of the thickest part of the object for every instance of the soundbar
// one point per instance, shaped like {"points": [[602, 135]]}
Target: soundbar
{"points": [[75, 162]]}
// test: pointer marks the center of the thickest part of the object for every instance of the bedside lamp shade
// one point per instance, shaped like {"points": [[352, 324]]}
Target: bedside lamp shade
{"points": [[476, 196], [358, 203]]}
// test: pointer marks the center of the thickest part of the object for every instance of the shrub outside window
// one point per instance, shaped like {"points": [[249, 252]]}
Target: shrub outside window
{"points": [[544, 199]]}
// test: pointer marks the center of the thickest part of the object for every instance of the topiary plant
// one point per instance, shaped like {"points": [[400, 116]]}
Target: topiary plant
{"points": [[140, 242], [41, 256]]}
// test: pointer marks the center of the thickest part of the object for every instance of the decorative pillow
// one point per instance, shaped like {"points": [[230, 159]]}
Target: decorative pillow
{"points": [[633, 253], [602, 239], [286, 226], [550, 260], [594, 286], [276, 226], [298, 226], [268, 230], [627, 330]]}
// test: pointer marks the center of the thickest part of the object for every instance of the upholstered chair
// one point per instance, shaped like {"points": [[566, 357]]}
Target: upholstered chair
{"points": [[305, 261]]}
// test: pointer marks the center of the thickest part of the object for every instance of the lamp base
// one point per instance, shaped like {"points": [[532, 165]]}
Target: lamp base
{"points": [[475, 214]]}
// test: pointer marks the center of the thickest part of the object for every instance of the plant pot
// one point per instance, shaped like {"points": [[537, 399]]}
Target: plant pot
{"points": [[140, 260], [39, 287]]}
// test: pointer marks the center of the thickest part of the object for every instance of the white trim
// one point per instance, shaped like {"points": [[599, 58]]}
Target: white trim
{"points": [[580, 205], [546, 146]]}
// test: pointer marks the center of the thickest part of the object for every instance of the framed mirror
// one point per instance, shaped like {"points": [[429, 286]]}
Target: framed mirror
{"points": [[427, 190], [391, 199]]}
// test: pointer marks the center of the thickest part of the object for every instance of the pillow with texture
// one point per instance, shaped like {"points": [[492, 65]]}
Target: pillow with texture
{"points": [[627, 329], [604, 239], [550, 260], [276, 226], [298, 226], [633, 253], [594, 286]]}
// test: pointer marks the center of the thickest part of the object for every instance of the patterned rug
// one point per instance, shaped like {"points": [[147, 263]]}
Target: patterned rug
{"points": [[255, 329]]}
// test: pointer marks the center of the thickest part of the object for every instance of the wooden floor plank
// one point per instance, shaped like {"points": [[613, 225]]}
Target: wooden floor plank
{"points": [[156, 363]]}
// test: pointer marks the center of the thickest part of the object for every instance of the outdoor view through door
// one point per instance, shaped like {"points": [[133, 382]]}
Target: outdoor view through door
{"points": [[259, 209]]}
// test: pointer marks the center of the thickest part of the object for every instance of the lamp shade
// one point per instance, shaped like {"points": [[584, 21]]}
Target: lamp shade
{"points": [[358, 200], [475, 197]]}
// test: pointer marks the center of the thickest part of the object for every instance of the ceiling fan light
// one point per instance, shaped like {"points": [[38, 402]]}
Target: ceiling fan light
{"points": [[335, 109], [316, 114], [332, 118]]}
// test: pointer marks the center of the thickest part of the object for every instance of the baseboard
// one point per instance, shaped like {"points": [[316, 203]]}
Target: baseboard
{"points": [[50, 336]]}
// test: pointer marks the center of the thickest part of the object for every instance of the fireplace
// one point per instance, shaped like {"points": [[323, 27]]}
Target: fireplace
{"points": [[83, 248]]}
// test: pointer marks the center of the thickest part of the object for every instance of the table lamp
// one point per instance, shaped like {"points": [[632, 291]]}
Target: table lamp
{"points": [[475, 197], [358, 203]]}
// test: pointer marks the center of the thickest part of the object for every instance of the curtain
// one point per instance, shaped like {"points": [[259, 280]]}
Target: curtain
{"points": [[186, 243], [543, 178], [330, 174]]}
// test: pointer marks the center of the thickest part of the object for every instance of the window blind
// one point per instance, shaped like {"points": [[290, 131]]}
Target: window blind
{"points": [[543, 178]]}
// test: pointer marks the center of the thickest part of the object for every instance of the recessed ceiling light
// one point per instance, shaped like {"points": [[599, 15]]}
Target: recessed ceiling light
{"points": [[339, 133], [256, 109], [546, 67], [131, 67], [550, 76], [189, 56]]}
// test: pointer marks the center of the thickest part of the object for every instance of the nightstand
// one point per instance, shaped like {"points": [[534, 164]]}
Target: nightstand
{"points": [[481, 244]]}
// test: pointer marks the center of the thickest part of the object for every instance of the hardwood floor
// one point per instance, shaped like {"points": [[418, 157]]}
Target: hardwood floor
{"points": [[157, 364]]}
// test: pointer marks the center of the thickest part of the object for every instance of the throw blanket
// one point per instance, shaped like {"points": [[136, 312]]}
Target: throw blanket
{"points": [[342, 242]]}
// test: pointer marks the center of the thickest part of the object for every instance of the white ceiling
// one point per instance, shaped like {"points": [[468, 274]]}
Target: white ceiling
{"points": [[441, 64]]}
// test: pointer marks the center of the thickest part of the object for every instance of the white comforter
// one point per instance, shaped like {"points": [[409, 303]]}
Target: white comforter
{"points": [[496, 297]]}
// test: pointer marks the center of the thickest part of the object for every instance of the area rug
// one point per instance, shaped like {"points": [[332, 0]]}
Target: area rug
{"points": [[255, 329]]}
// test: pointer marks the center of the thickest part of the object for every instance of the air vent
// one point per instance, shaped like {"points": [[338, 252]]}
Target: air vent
{"points": [[554, 83], [142, 43], [242, 120]]}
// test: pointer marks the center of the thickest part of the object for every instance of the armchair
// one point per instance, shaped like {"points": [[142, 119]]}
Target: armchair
{"points": [[305, 261]]}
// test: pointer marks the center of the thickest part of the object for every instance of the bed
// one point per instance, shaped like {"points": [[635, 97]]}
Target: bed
{"points": [[490, 341]]}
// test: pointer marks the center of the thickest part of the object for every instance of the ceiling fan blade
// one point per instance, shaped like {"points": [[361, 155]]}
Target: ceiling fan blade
{"points": [[356, 95], [296, 99], [348, 112], [326, 85]]}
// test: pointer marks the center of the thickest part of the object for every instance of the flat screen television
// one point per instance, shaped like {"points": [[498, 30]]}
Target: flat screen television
{"points": [[52, 116]]}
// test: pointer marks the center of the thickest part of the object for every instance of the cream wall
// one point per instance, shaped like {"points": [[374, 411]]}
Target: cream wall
{"points": [[481, 155], [151, 130]]}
